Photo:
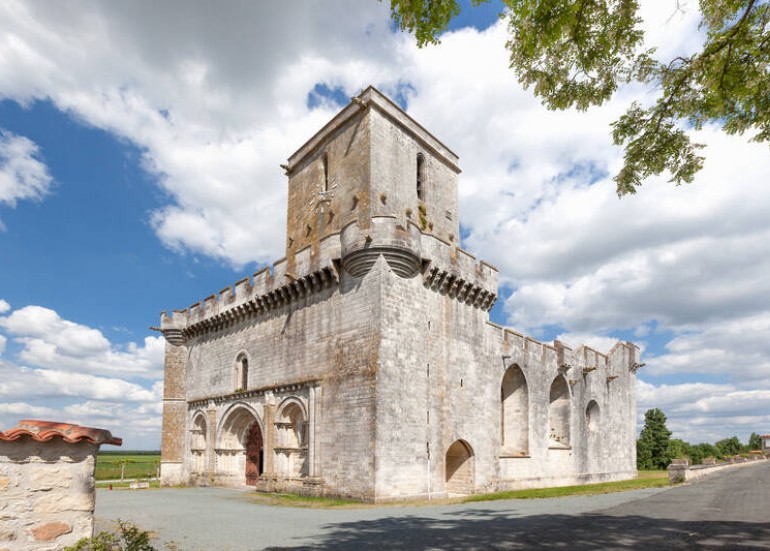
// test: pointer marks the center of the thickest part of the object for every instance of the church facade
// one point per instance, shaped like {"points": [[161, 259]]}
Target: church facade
{"points": [[364, 363]]}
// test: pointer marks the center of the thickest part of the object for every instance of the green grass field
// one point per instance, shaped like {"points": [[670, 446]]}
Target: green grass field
{"points": [[110, 466]]}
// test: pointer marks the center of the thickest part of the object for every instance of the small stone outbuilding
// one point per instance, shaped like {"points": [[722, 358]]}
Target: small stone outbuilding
{"points": [[364, 362], [47, 484]]}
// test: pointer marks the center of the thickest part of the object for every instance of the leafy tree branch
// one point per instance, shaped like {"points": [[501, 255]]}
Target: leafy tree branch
{"points": [[576, 53]]}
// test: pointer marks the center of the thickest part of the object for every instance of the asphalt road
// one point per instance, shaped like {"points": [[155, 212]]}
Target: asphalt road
{"points": [[727, 510]]}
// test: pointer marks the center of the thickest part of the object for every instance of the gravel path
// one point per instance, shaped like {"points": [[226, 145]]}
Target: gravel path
{"points": [[730, 510]]}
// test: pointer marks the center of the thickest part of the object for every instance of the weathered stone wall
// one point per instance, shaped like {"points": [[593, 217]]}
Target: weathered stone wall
{"points": [[46, 493], [442, 366], [436, 385]]}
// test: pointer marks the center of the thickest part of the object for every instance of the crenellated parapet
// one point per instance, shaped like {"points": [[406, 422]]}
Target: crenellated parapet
{"points": [[575, 364], [250, 297], [445, 268]]}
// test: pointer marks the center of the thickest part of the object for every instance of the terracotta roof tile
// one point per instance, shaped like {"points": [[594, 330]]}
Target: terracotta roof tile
{"points": [[43, 431]]}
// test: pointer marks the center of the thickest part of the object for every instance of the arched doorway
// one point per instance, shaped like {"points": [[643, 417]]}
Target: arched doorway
{"points": [[254, 457], [239, 436], [459, 468]]}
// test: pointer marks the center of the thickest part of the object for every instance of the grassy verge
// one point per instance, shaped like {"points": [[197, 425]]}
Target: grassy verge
{"points": [[646, 479]]}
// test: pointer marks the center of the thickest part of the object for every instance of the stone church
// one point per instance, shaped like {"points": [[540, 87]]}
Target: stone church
{"points": [[364, 363]]}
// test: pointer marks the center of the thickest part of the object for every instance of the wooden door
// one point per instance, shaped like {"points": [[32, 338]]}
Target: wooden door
{"points": [[253, 455]]}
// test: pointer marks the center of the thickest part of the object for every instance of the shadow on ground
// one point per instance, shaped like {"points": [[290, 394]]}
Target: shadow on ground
{"points": [[484, 529]]}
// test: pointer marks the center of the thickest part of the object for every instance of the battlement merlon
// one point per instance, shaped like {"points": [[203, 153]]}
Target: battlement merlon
{"points": [[371, 98]]}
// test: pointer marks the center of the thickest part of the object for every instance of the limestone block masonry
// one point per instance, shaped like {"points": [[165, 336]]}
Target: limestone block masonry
{"points": [[47, 484], [364, 364]]}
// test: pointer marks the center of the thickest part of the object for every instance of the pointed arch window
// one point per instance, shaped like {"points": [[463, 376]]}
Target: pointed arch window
{"points": [[420, 184]]}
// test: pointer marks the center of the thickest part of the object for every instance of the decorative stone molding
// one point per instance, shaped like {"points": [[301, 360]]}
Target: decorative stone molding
{"points": [[250, 393], [174, 336]]}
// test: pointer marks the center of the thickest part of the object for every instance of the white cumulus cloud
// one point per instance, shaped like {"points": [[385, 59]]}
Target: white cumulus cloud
{"points": [[49, 341], [68, 372], [23, 175]]}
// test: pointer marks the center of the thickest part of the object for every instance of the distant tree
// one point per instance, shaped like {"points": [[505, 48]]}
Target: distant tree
{"points": [[576, 53], [705, 450], [729, 447], [755, 442], [679, 449], [652, 448]]}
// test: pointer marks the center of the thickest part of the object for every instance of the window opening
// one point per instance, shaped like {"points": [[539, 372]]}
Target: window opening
{"points": [[241, 379], [420, 177], [244, 373], [326, 172]]}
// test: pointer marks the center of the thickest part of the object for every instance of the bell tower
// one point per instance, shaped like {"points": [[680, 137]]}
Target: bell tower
{"points": [[374, 172]]}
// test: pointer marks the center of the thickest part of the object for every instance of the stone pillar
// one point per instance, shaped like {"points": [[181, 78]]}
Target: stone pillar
{"points": [[678, 470], [174, 430], [311, 432], [269, 442], [47, 492], [211, 439]]}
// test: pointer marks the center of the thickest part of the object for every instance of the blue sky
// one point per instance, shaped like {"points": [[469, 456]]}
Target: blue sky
{"points": [[139, 171]]}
